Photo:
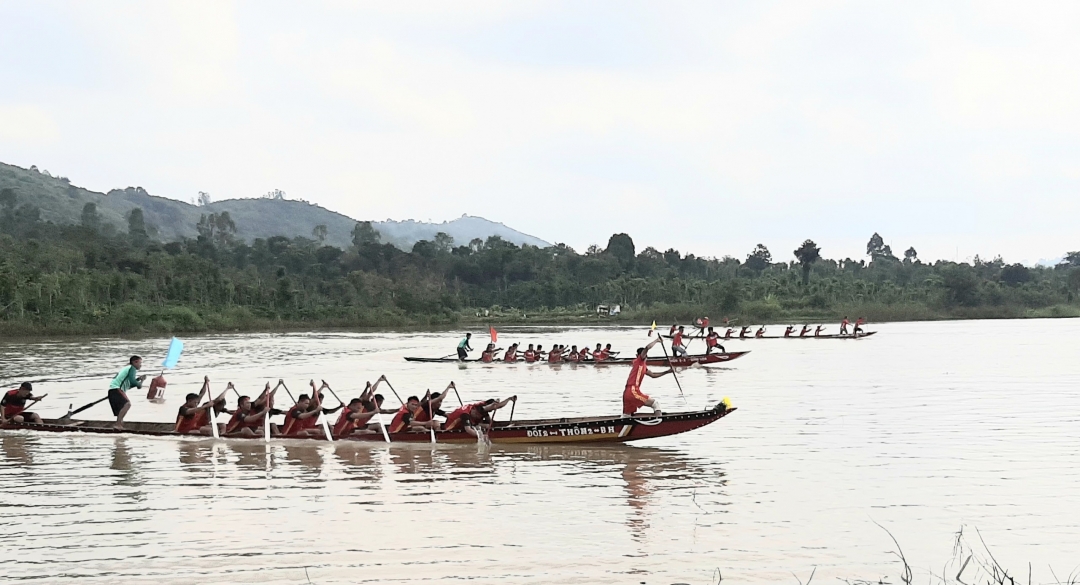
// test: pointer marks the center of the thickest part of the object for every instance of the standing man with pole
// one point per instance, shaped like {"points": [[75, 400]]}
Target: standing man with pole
{"points": [[633, 397], [463, 348], [126, 379]]}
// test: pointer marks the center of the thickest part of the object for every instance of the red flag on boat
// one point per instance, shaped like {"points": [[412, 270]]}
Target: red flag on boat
{"points": [[494, 334]]}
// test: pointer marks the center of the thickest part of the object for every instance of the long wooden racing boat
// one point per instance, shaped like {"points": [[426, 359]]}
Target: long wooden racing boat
{"points": [[795, 336], [678, 362], [596, 429]]}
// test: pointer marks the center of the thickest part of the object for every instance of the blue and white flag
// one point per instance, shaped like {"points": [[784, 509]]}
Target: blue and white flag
{"points": [[175, 348]]}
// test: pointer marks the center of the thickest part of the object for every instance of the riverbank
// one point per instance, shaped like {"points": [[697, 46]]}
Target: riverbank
{"points": [[138, 319]]}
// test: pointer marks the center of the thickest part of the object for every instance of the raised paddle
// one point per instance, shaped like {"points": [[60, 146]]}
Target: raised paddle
{"points": [[322, 415], [391, 387], [431, 429], [670, 365], [454, 386]]}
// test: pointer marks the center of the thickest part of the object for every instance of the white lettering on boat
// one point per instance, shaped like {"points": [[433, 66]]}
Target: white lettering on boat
{"points": [[571, 432]]}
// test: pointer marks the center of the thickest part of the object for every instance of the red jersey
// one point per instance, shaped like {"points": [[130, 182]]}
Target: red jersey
{"points": [[511, 356], [859, 321], [401, 420], [530, 356], [294, 424], [185, 423], [633, 397], [456, 419], [13, 403], [585, 354], [677, 339], [344, 425], [602, 355], [574, 357], [554, 356], [237, 422], [713, 339]]}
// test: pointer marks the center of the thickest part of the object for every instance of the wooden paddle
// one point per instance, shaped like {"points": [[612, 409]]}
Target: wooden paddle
{"points": [[431, 409], [670, 365], [212, 414], [72, 413], [322, 415]]}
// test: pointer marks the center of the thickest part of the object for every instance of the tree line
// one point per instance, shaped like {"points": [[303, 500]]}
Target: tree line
{"points": [[94, 278]]}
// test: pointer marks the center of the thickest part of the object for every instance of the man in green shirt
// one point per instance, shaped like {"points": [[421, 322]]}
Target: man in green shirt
{"points": [[118, 398], [463, 348]]}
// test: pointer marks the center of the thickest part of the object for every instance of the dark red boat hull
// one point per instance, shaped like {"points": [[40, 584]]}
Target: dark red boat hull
{"points": [[612, 429]]}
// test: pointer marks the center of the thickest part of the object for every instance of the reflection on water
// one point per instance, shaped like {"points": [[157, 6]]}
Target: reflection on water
{"points": [[922, 428]]}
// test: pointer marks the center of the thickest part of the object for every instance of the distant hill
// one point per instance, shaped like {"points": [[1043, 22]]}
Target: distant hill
{"points": [[169, 219]]}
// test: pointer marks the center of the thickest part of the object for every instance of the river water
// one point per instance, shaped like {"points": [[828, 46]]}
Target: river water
{"points": [[924, 428]]}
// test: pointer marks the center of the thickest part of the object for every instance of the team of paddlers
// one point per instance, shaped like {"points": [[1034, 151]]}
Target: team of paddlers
{"points": [[355, 417], [251, 418], [303, 418]]}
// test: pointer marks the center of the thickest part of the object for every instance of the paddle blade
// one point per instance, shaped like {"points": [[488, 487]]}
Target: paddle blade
{"points": [[176, 347]]}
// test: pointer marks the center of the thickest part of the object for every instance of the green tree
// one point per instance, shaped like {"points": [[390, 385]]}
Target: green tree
{"points": [[1015, 274], [911, 255], [137, 227], [807, 254], [319, 233], [363, 234], [217, 228], [444, 242], [90, 217], [621, 246], [759, 259], [877, 249]]}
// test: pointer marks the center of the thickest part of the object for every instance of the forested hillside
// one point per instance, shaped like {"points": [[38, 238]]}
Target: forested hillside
{"points": [[61, 202], [87, 277]]}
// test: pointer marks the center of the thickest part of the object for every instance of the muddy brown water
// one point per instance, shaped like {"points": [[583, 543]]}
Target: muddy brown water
{"points": [[924, 428]]}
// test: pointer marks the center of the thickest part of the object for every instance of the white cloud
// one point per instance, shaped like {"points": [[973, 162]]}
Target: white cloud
{"points": [[704, 127], [27, 124]]}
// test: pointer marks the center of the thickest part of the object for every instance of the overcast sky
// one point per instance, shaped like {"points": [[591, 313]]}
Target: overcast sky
{"points": [[707, 127]]}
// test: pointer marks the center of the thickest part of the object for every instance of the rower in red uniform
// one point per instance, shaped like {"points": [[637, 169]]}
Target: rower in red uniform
{"points": [[844, 325], [555, 355], [608, 353], [300, 420], [789, 330], [598, 354], [817, 332], [805, 331], [403, 418], [671, 332], [585, 355], [728, 333], [633, 397], [193, 418], [13, 405], [744, 332], [678, 346], [760, 332], [488, 355], [431, 406], [574, 356], [511, 353], [246, 421], [858, 327], [712, 341], [530, 354], [351, 419], [477, 415], [540, 354]]}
